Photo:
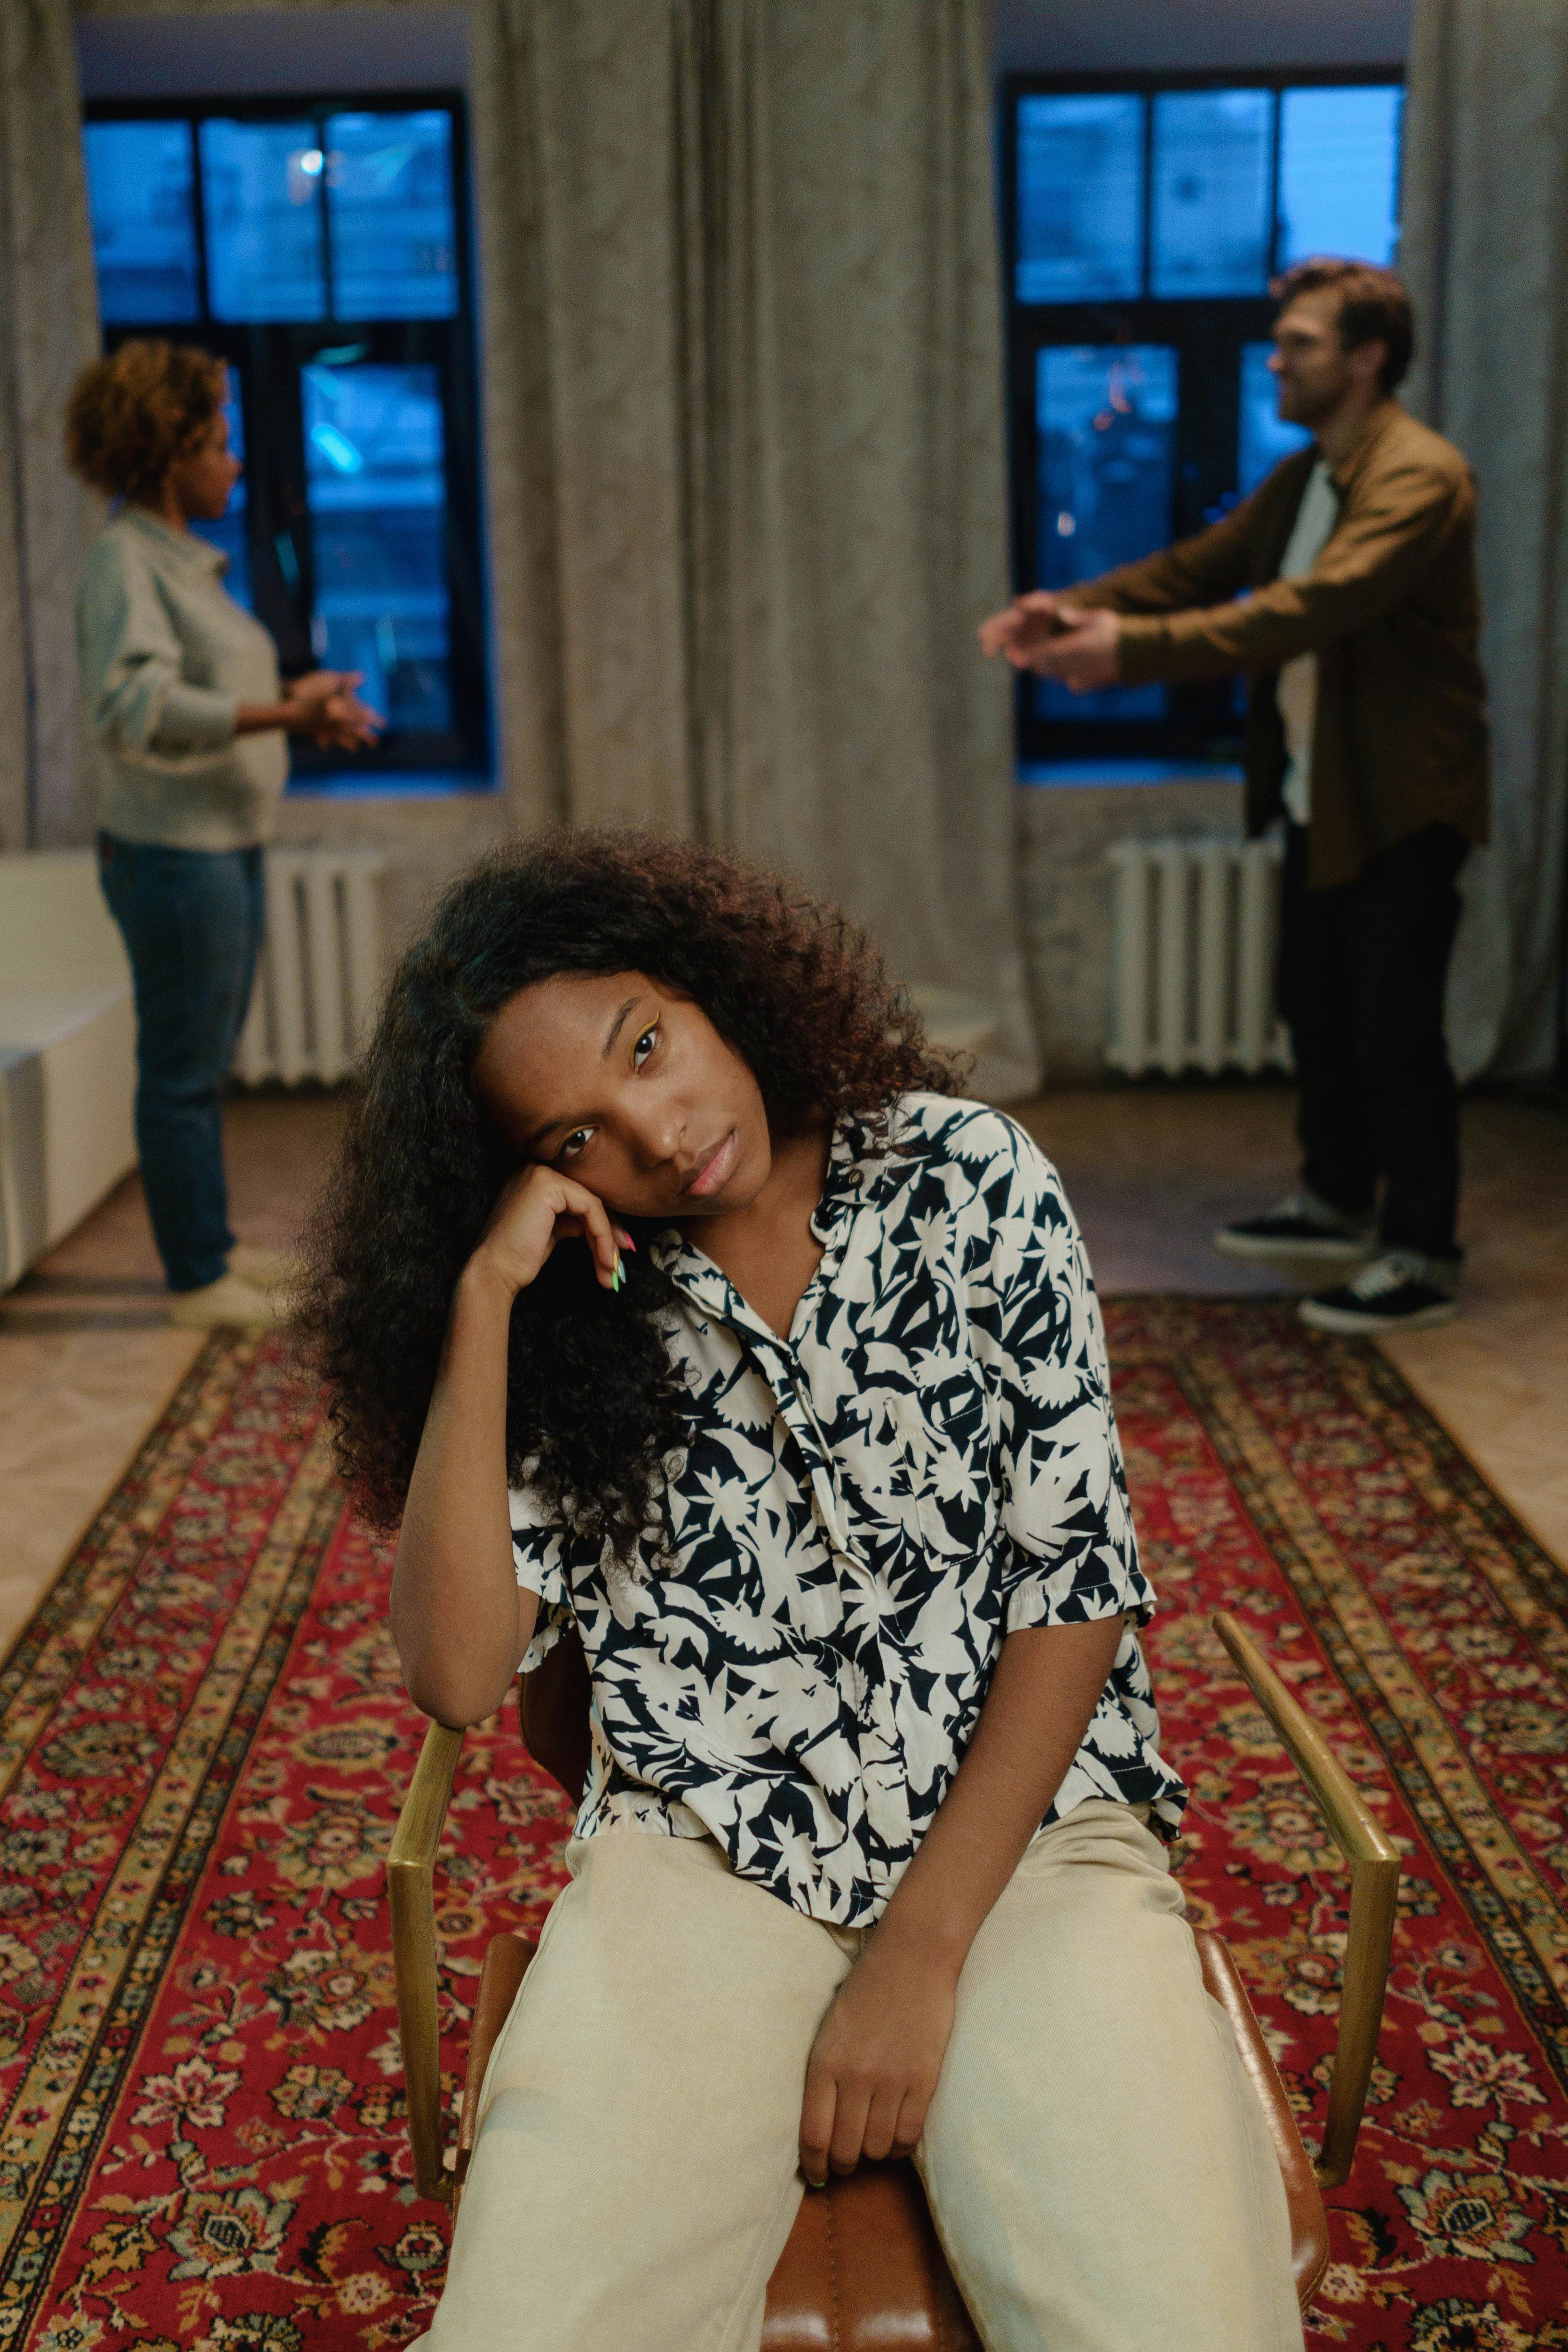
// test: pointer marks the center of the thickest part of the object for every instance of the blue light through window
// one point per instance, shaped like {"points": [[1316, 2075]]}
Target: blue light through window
{"points": [[1339, 173], [1107, 417], [389, 204], [1263, 438], [140, 187], [261, 196], [375, 462], [1214, 155], [1081, 199]]}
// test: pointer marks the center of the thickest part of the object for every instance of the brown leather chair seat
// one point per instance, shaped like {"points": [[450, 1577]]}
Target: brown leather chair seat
{"points": [[863, 2270]]}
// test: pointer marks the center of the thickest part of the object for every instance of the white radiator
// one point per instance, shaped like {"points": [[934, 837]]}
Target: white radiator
{"points": [[319, 979], [1196, 928]]}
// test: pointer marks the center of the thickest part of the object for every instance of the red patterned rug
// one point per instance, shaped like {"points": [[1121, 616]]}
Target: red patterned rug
{"points": [[204, 1741]]}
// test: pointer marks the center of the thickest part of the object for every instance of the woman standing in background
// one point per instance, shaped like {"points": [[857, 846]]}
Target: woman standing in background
{"points": [[182, 690]]}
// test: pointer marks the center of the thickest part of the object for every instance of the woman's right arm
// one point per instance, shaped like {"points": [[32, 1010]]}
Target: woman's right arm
{"points": [[459, 1617]]}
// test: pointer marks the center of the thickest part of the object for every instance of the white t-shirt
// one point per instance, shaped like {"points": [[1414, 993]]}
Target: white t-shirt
{"points": [[1297, 691]]}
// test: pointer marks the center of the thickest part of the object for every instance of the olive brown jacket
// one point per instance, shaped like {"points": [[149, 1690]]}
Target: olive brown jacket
{"points": [[1392, 610]]}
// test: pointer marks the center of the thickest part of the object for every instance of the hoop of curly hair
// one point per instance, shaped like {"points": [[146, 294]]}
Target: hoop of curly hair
{"points": [[594, 1406], [132, 415]]}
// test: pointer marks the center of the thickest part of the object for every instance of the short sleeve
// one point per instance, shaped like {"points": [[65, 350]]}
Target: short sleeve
{"points": [[538, 1558], [1072, 1554]]}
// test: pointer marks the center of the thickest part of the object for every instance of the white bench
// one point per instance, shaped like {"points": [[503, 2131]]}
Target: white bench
{"points": [[68, 1051]]}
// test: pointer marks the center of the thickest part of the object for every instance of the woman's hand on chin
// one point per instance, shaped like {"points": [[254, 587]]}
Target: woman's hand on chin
{"points": [[539, 1207], [874, 2065]]}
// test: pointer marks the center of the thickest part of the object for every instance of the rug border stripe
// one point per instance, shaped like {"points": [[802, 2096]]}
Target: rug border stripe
{"points": [[47, 2091], [1527, 1971], [68, 2169], [51, 1645]]}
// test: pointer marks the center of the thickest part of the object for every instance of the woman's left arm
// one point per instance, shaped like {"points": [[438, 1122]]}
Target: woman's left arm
{"points": [[878, 2052]]}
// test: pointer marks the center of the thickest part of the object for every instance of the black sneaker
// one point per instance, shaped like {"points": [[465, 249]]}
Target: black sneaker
{"points": [[1401, 1291], [1299, 1227]]}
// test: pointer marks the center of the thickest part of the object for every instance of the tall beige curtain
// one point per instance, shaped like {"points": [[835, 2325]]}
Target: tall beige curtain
{"points": [[1485, 252], [48, 328], [745, 446]]}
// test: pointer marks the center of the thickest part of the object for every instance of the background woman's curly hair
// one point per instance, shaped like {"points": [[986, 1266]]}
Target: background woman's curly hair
{"points": [[593, 1403], [130, 416]]}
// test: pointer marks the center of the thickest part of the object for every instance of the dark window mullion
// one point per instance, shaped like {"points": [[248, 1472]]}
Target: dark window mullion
{"points": [[323, 224], [1146, 281], [199, 213], [1279, 110]]}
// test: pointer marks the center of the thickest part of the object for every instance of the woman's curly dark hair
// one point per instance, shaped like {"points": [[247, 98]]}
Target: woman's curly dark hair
{"points": [[594, 1401], [130, 416]]}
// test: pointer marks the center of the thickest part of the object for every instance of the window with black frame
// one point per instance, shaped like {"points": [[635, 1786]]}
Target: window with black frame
{"points": [[1143, 218], [321, 249]]}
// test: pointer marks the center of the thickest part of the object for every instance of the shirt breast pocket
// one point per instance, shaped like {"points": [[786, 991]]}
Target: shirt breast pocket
{"points": [[946, 1435]]}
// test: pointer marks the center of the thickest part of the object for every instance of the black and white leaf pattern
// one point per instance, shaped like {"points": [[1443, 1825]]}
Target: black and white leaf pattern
{"points": [[865, 1512]]}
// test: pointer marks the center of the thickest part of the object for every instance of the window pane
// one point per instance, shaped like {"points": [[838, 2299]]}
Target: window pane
{"points": [[389, 204], [1264, 437], [261, 189], [375, 462], [231, 531], [1106, 415], [1213, 173], [1081, 199], [1339, 173], [140, 185]]}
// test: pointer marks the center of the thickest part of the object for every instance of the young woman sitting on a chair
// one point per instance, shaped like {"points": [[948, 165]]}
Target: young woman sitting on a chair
{"points": [[669, 1289]]}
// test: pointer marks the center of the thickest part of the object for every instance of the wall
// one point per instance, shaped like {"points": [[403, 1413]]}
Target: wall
{"points": [[1120, 36], [251, 53]]}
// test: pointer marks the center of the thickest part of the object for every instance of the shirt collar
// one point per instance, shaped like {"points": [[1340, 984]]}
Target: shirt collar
{"points": [[191, 549], [858, 1160]]}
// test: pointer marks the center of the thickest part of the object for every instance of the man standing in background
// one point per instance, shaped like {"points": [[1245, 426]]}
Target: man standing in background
{"points": [[1345, 586]]}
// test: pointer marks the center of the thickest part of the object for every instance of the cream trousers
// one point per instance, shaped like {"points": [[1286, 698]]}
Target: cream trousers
{"points": [[1096, 2160]]}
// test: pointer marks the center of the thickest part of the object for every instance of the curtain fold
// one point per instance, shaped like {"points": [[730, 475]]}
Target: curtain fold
{"points": [[1485, 254], [743, 395], [48, 330]]}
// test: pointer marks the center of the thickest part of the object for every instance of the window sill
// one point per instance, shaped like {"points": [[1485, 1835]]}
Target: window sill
{"points": [[1038, 774], [393, 784]]}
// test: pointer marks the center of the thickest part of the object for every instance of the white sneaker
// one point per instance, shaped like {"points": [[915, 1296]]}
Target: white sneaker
{"points": [[229, 1301], [268, 1269]]}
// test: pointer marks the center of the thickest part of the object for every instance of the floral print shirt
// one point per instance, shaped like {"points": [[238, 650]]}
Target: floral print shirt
{"points": [[865, 1510]]}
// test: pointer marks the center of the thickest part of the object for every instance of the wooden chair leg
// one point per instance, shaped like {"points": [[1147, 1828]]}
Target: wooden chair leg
{"points": [[410, 1885], [1373, 1860]]}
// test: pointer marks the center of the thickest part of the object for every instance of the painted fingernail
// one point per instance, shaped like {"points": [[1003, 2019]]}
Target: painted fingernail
{"points": [[625, 1240]]}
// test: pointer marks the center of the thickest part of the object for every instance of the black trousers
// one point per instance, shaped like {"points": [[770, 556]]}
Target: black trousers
{"points": [[1362, 974]]}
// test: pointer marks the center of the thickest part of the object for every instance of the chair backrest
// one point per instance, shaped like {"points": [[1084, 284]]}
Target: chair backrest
{"points": [[554, 1703]]}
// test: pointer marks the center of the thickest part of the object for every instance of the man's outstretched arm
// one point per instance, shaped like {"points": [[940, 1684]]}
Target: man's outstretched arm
{"points": [[1375, 558], [1207, 569]]}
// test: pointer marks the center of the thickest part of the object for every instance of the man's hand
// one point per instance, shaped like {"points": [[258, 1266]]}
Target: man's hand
{"points": [[874, 2065], [1082, 654], [1028, 622]]}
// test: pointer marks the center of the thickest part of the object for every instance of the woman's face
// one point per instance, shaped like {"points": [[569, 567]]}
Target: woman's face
{"points": [[202, 481], [628, 1087]]}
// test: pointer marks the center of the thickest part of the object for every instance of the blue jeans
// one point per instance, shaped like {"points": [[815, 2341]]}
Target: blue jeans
{"points": [[191, 919]]}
